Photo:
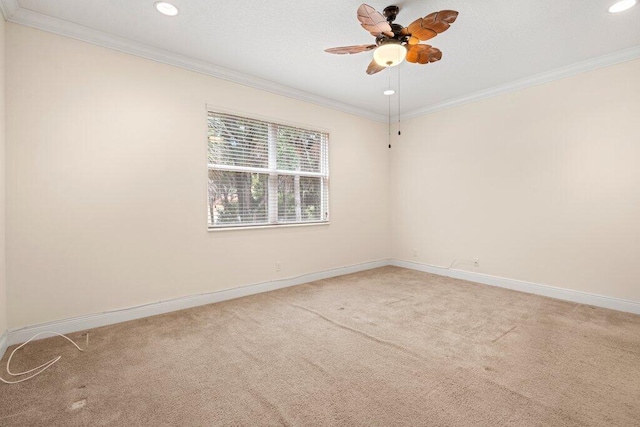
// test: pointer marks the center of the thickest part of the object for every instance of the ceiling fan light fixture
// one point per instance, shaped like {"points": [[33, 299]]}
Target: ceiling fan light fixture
{"points": [[622, 5], [166, 8], [389, 54]]}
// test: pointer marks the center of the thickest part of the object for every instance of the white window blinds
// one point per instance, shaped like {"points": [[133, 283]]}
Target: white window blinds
{"points": [[263, 173]]}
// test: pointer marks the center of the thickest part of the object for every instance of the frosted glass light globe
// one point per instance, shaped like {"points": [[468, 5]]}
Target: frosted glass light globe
{"points": [[389, 54]]}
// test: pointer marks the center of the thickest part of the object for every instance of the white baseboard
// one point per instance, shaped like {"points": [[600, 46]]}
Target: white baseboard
{"points": [[3, 343], [90, 321], [528, 287]]}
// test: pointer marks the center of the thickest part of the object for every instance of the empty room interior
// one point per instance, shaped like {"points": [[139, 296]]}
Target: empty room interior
{"points": [[421, 213]]}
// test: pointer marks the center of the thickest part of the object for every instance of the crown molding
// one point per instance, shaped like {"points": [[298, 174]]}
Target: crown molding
{"points": [[9, 8], [13, 13], [535, 80]]}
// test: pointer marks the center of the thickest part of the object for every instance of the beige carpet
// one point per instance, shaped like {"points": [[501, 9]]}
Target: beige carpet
{"points": [[386, 347]]}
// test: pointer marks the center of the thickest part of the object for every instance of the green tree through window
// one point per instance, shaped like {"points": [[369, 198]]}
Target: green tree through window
{"points": [[263, 173]]}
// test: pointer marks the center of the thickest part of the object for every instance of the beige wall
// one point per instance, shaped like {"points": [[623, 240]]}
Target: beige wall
{"points": [[3, 276], [106, 184], [542, 185]]}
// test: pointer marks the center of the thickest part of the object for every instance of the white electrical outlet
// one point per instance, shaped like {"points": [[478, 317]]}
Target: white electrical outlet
{"points": [[415, 253], [476, 262], [278, 266]]}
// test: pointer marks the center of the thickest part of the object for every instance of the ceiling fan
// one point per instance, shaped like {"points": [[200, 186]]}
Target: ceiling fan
{"points": [[394, 42]]}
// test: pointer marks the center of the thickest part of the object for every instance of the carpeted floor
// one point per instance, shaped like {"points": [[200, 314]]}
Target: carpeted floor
{"points": [[385, 347]]}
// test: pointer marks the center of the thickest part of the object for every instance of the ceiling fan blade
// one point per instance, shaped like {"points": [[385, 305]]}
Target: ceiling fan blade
{"points": [[373, 21], [448, 16], [374, 67], [350, 49], [423, 54], [433, 24], [417, 30]]}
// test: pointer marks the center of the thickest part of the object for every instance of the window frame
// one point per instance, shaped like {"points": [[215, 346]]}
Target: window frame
{"points": [[273, 172]]}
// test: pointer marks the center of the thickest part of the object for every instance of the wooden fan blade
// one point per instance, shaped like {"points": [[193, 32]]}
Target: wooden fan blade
{"points": [[435, 54], [350, 49], [423, 54], [373, 21], [413, 40], [374, 67], [433, 24], [448, 16], [416, 30]]}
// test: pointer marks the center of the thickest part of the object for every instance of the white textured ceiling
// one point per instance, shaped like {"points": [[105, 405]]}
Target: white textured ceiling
{"points": [[493, 42]]}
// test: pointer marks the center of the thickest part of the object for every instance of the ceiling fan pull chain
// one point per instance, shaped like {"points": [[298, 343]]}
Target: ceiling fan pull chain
{"points": [[399, 133], [389, 111]]}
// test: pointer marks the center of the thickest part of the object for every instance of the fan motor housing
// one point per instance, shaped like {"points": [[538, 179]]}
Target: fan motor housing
{"points": [[396, 28], [390, 12]]}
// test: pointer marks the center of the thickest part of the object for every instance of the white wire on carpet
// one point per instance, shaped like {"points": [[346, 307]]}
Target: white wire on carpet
{"points": [[40, 369]]}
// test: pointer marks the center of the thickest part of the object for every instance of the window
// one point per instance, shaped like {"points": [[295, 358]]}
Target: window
{"points": [[263, 173]]}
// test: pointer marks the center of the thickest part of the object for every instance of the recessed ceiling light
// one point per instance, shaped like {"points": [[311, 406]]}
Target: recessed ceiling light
{"points": [[389, 92], [166, 8], [622, 5]]}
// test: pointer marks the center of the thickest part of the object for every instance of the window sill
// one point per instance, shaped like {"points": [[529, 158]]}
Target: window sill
{"points": [[255, 227]]}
